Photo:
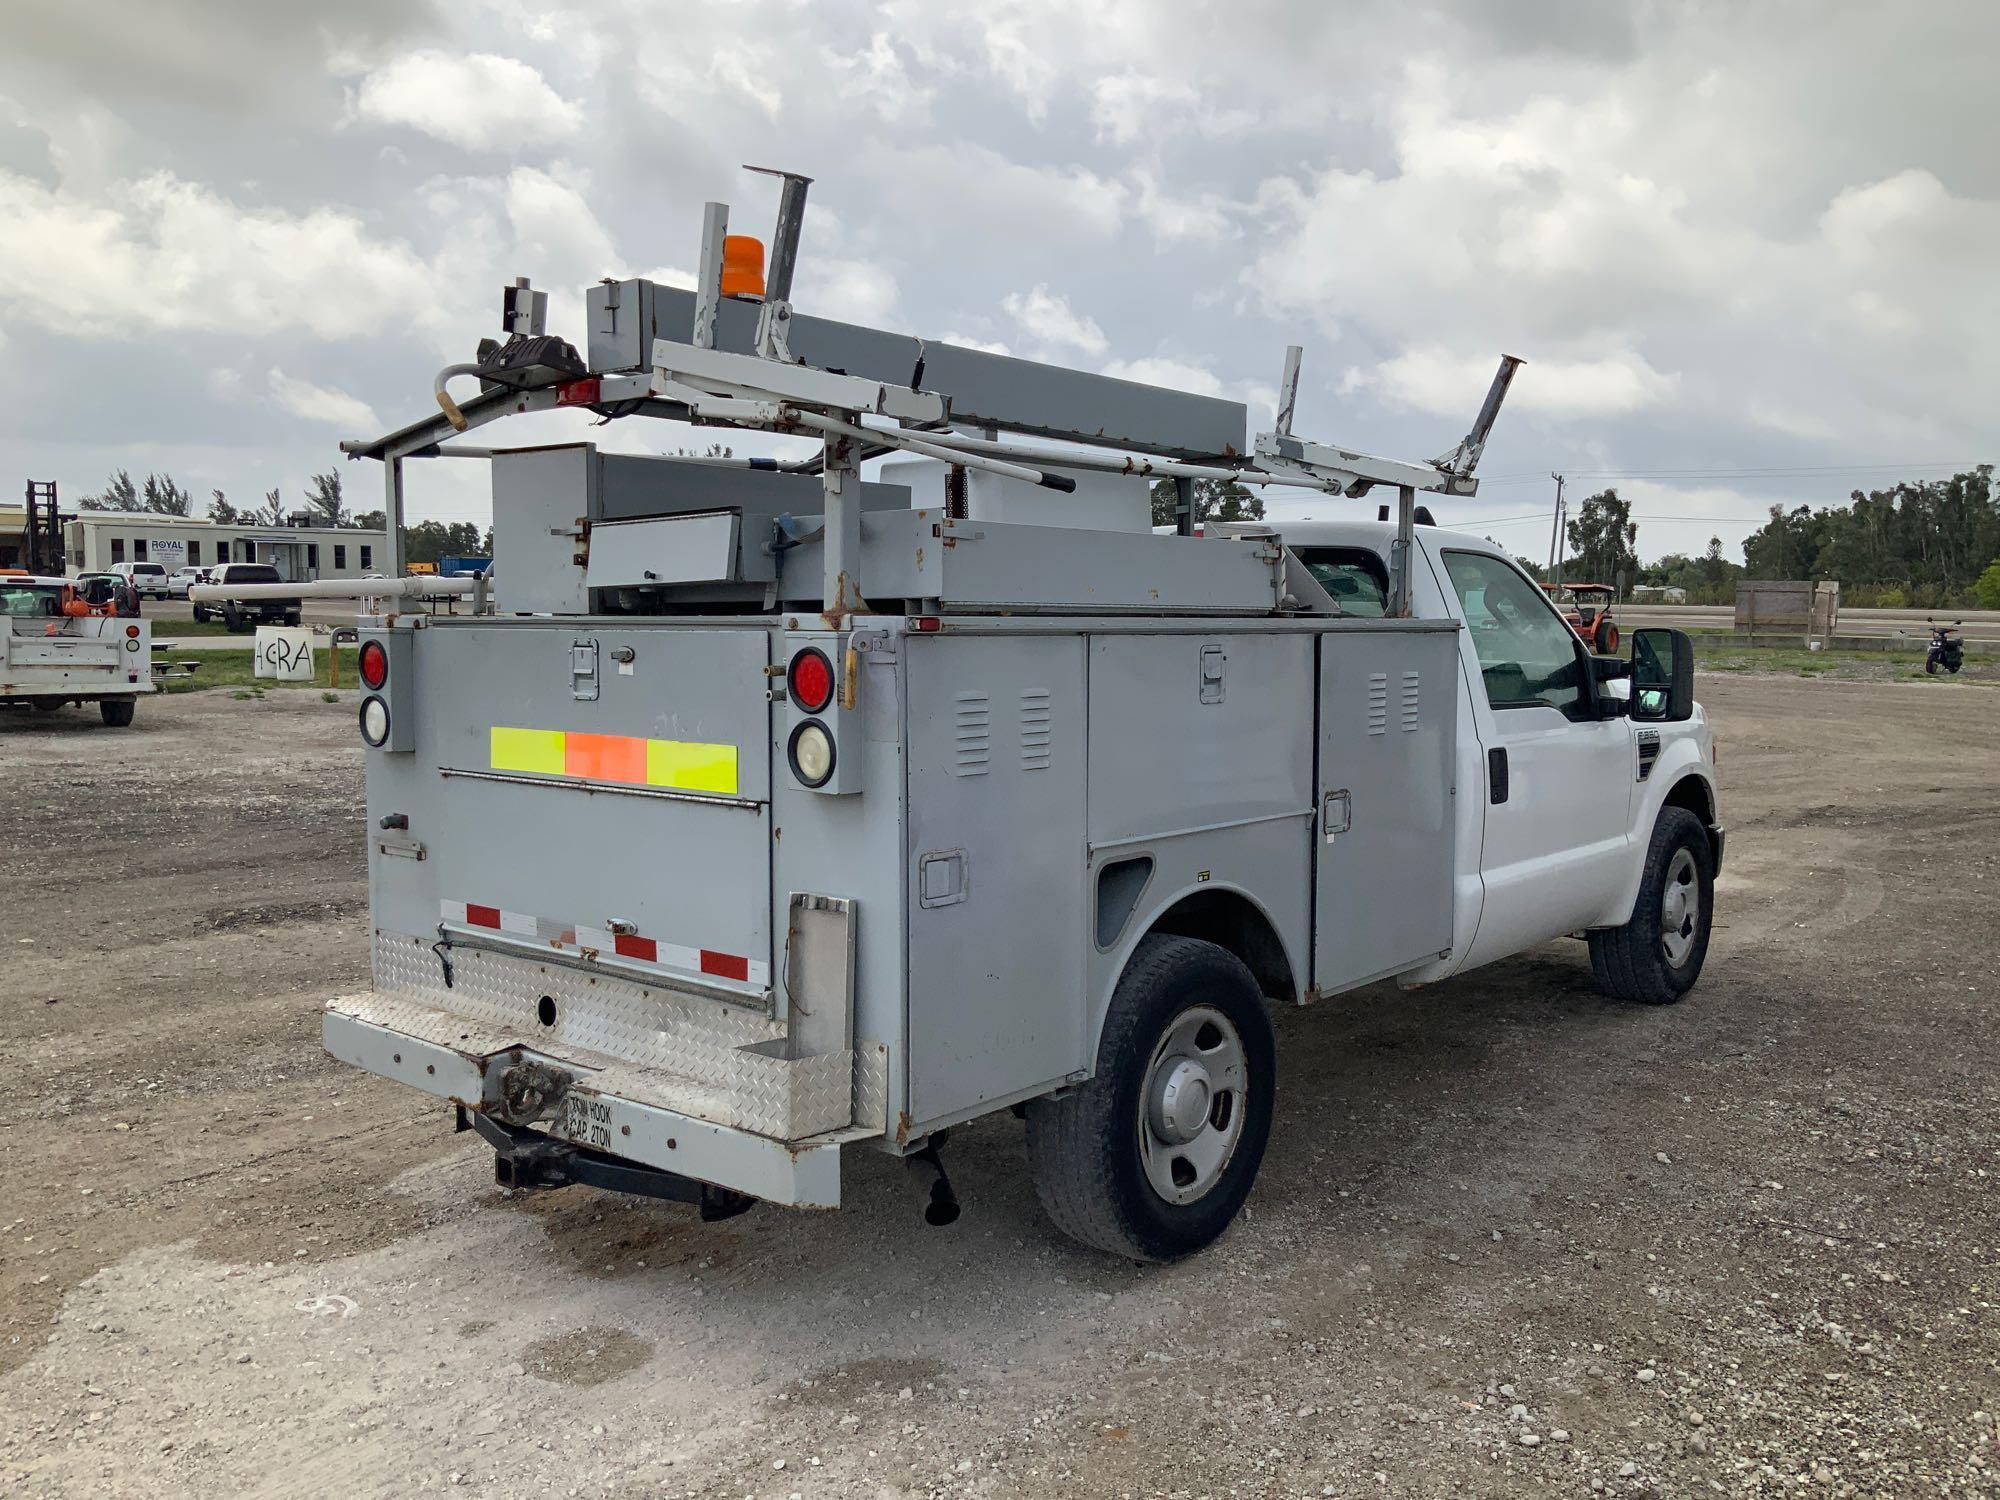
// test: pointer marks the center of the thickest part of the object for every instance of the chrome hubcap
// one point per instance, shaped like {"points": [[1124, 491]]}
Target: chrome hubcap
{"points": [[1680, 908], [1191, 1112]]}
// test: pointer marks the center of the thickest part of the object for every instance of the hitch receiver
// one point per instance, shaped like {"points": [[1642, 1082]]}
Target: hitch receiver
{"points": [[527, 1159]]}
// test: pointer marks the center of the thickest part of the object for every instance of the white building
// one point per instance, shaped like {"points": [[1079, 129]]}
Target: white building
{"points": [[95, 540]]}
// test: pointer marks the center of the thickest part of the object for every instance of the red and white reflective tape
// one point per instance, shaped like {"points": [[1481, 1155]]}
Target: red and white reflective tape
{"points": [[574, 938]]}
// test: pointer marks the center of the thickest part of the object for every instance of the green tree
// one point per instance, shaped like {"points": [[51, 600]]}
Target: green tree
{"points": [[270, 513], [1214, 500], [163, 497], [1601, 540], [119, 493], [372, 520], [323, 495], [221, 511], [427, 541], [1986, 587]]}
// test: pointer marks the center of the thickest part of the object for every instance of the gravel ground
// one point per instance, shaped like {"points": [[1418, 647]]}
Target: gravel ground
{"points": [[1510, 1238]]}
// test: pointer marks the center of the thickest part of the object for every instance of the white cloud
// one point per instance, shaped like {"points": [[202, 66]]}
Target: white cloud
{"points": [[1127, 105], [475, 100], [317, 403], [877, 78], [161, 253], [1431, 378], [853, 291], [1046, 318]]}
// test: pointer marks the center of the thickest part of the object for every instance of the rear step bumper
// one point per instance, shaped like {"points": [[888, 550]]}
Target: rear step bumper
{"points": [[800, 1175]]}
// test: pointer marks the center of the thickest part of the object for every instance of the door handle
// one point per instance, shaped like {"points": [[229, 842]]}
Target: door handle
{"points": [[1336, 813], [1496, 776]]}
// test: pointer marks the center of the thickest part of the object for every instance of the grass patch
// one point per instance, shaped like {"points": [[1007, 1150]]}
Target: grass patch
{"points": [[182, 629], [238, 669], [1837, 666]]}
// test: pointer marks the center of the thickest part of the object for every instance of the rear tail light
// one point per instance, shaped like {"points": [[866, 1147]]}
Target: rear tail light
{"points": [[809, 680], [374, 664], [374, 721], [132, 631]]}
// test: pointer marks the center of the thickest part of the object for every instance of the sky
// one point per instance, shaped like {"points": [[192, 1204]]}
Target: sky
{"points": [[1746, 247]]}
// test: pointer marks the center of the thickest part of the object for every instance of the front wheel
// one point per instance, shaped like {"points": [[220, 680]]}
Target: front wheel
{"points": [[1656, 957], [1153, 1157], [117, 712], [1931, 665]]}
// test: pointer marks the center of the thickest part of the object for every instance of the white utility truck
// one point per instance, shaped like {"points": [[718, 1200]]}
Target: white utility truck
{"points": [[764, 811], [57, 649]]}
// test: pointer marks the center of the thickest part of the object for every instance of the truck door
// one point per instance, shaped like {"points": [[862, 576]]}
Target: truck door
{"points": [[1559, 779]]}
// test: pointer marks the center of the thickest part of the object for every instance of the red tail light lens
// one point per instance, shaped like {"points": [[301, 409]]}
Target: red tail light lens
{"points": [[374, 664], [809, 680], [132, 631]]}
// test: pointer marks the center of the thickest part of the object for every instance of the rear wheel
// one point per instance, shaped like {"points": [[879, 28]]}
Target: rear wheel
{"points": [[1153, 1157], [117, 712], [1607, 639], [200, 615], [232, 617], [1656, 957]]}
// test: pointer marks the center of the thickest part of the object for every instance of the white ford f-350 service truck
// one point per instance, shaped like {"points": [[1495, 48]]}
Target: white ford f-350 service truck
{"points": [[763, 811]]}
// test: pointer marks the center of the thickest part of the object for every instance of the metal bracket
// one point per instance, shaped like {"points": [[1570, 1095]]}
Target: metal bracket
{"points": [[583, 671]]}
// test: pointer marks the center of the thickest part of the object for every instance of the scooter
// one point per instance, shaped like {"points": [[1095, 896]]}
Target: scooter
{"points": [[1946, 650]]}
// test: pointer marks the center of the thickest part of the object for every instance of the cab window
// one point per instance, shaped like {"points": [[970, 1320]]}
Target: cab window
{"points": [[1527, 652], [1354, 577]]}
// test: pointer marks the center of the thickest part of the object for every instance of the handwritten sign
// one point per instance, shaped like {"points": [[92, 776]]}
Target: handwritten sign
{"points": [[284, 652]]}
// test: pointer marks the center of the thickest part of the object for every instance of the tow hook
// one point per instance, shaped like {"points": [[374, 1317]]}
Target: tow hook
{"points": [[943, 1206], [529, 1090]]}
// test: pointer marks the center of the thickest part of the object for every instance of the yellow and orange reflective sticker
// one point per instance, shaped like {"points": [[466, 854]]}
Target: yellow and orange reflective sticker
{"points": [[683, 765]]}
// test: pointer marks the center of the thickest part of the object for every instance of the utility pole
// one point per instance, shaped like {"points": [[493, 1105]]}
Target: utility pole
{"points": [[1556, 534]]}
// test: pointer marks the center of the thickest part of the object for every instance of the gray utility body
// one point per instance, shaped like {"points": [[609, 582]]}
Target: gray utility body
{"points": [[762, 811]]}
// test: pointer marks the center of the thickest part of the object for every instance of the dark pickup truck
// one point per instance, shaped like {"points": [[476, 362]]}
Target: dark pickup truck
{"points": [[242, 614]]}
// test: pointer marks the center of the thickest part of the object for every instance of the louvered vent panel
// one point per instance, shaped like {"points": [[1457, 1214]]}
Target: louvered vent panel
{"points": [[1378, 702], [1649, 751], [1037, 729], [1410, 702], [973, 735]]}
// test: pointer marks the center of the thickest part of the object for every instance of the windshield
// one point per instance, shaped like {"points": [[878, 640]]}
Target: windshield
{"points": [[31, 601]]}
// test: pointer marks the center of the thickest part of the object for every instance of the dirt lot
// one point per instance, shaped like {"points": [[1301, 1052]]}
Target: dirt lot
{"points": [[1510, 1238]]}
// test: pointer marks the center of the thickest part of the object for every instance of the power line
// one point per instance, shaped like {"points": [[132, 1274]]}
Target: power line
{"points": [[1727, 471]]}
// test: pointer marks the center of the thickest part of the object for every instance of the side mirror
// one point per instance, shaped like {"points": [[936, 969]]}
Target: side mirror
{"points": [[1662, 676]]}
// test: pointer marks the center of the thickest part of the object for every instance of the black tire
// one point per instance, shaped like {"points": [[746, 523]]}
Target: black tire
{"points": [[117, 712], [1085, 1146], [200, 615], [232, 618], [1633, 962], [292, 618], [49, 705], [1931, 665]]}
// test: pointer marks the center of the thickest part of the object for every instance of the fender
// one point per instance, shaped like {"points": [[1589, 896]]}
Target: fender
{"points": [[1218, 910], [1682, 776]]}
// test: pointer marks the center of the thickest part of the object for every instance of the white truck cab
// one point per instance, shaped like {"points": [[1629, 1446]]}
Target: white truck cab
{"points": [[1574, 786]]}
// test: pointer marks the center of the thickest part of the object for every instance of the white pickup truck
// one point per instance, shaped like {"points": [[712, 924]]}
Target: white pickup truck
{"points": [[762, 809], [56, 650], [619, 924]]}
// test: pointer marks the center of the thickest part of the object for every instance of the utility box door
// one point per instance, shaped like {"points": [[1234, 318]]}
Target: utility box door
{"points": [[1382, 826], [995, 879]]}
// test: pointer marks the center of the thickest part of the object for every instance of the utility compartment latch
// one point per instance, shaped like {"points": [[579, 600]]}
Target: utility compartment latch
{"points": [[583, 671]]}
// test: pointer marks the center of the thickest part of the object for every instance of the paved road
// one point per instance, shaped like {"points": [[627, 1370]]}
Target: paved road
{"points": [[1980, 624]]}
